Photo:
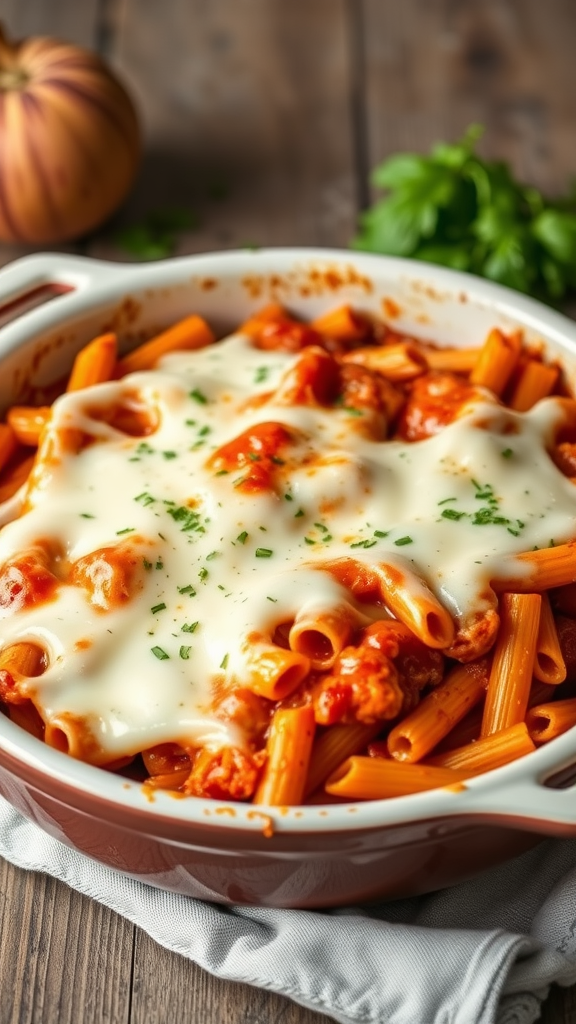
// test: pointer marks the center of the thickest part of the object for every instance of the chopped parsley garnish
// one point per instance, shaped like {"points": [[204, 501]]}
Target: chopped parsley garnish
{"points": [[224, 662], [446, 500], [158, 608], [87, 515], [189, 627], [212, 555], [261, 374], [288, 497], [242, 537], [127, 529], [199, 396], [263, 553], [170, 455], [381, 533], [160, 653], [187, 519], [299, 513], [144, 498], [203, 574], [185, 653], [451, 513], [507, 453], [402, 541], [309, 540], [273, 599], [146, 563], [368, 543], [189, 589]]}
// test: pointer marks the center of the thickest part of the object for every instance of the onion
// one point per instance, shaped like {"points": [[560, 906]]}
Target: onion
{"points": [[69, 141]]}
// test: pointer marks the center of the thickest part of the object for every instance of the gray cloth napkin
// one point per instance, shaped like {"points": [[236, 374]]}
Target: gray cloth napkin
{"points": [[484, 952]]}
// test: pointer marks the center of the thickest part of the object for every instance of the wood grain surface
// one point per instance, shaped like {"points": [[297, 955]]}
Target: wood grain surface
{"points": [[263, 118]]}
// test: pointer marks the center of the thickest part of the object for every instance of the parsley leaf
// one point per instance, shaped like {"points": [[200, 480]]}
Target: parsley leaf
{"points": [[454, 208]]}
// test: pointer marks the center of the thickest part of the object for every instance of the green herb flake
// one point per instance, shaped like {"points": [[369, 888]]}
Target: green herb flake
{"points": [[263, 553], [160, 653], [507, 453], [189, 627], [146, 563], [261, 374], [127, 529], [402, 541], [198, 396], [242, 537], [299, 513], [87, 515], [212, 556], [185, 653], [368, 543], [381, 533], [170, 455], [203, 574], [224, 662], [288, 497], [158, 608], [188, 589], [273, 599], [451, 513]]}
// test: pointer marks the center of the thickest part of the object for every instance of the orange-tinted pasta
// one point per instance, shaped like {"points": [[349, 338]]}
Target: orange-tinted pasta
{"points": [[28, 423], [437, 714], [512, 666], [94, 364], [496, 360], [191, 333], [288, 753], [549, 664], [375, 778], [546, 721], [489, 752], [536, 381]]}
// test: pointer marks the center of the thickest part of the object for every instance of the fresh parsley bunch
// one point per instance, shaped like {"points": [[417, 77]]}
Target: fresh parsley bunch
{"points": [[454, 208]]}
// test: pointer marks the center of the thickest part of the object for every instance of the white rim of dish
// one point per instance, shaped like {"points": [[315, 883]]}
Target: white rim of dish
{"points": [[514, 792]]}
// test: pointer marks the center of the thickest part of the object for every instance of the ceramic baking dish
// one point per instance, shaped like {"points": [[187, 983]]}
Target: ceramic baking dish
{"points": [[309, 856]]}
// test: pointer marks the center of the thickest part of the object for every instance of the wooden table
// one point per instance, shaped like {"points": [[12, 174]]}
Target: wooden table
{"points": [[263, 117]]}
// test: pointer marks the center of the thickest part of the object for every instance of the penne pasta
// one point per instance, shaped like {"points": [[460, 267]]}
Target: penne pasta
{"points": [[547, 721], [94, 364], [333, 747], [450, 360], [191, 333], [437, 714], [341, 324], [496, 361], [538, 570], [289, 744], [549, 664], [399, 362], [535, 382], [321, 635], [511, 672], [373, 778], [487, 753], [28, 423]]}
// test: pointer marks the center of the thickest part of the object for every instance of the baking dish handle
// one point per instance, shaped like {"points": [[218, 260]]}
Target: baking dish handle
{"points": [[29, 283], [530, 803]]}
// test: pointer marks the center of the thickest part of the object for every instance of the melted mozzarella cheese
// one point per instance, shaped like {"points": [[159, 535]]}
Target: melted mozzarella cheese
{"points": [[220, 563]]}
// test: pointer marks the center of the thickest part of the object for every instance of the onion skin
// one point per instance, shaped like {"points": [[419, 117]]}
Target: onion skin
{"points": [[69, 141]]}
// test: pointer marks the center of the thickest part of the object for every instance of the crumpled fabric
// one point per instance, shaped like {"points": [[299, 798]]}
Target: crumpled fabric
{"points": [[483, 952]]}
